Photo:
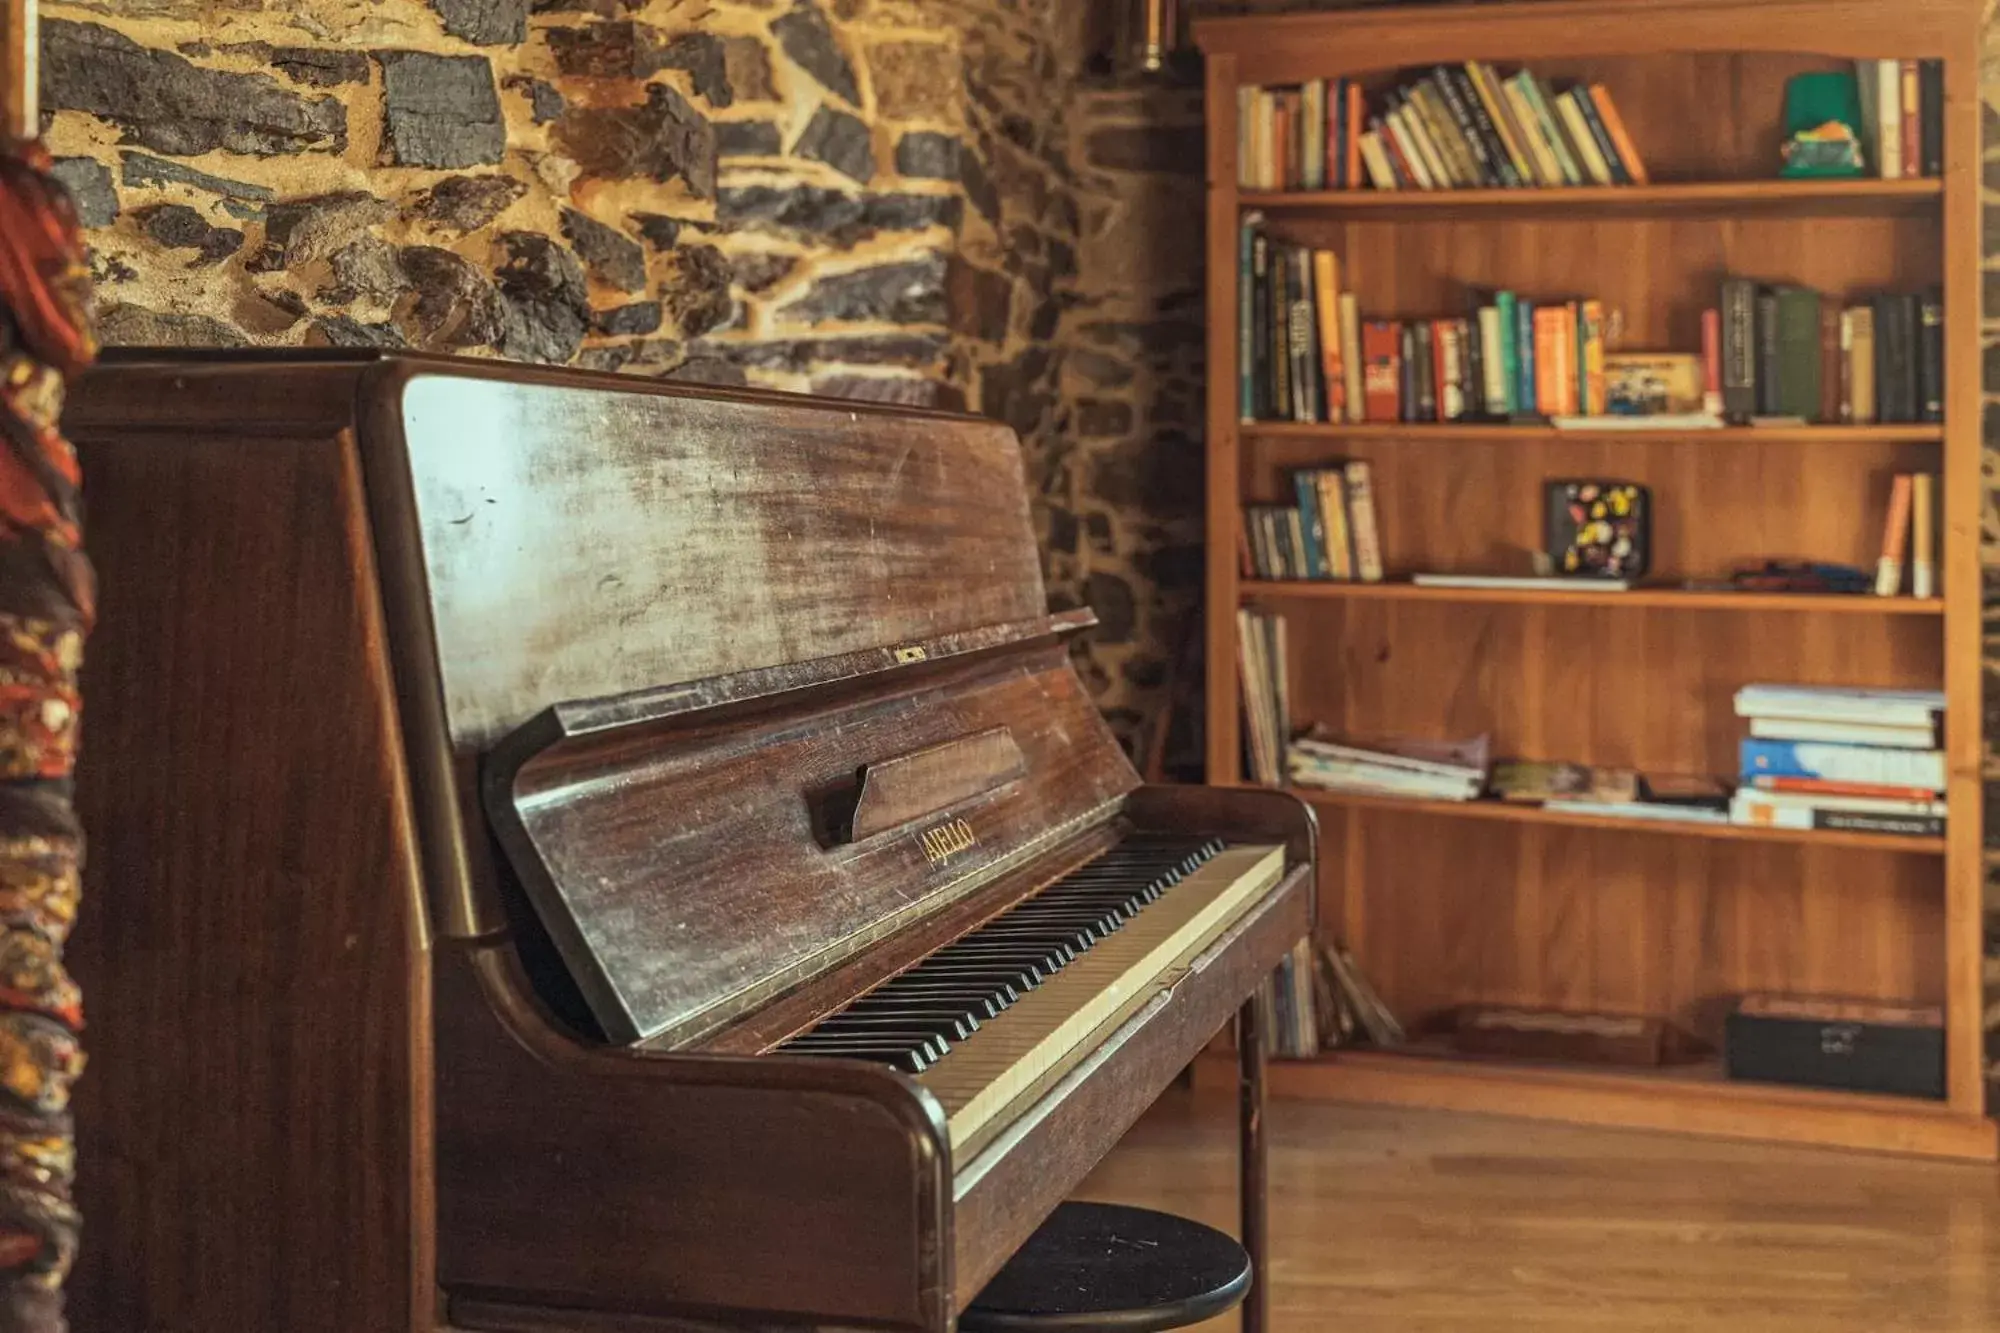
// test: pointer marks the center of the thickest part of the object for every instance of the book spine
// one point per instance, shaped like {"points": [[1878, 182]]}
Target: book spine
{"points": [[1842, 763], [1930, 357], [1425, 378], [1879, 791], [1280, 315], [1861, 366], [1307, 392], [1798, 353], [1499, 382], [1739, 348], [1485, 133], [1312, 139], [1281, 141], [1614, 127], [1846, 371], [1830, 362], [1581, 140], [1312, 525], [1548, 340], [1912, 119], [1923, 535], [1767, 353], [1339, 531], [1895, 538], [1711, 361], [1452, 148], [1446, 353], [1868, 84], [1260, 348], [1548, 172], [1381, 170], [1295, 545], [1856, 821], [1587, 105], [1889, 118], [1930, 78], [1524, 347], [1326, 311], [1505, 123], [1351, 362], [1334, 164], [1472, 346], [1596, 399], [1362, 521], [1246, 318], [1356, 113], [1438, 153], [1246, 136], [1549, 120], [1383, 371], [1403, 150], [1902, 344]]}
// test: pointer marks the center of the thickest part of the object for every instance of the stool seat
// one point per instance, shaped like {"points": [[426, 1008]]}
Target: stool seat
{"points": [[1101, 1266]]}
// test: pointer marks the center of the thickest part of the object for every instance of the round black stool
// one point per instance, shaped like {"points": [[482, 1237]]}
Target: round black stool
{"points": [[1097, 1267]]}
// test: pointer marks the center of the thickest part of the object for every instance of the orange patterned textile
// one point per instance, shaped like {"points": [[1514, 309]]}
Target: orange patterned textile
{"points": [[47, 600]]}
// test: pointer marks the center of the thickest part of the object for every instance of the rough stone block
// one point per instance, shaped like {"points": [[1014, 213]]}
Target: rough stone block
{"points": [[903, 293], [299, 231], [169, 104], [610, 254], [915, 80], [660, 139], [441, 111], [485, 22], [841, 141], [808, 39], [928, 154], [696, 290], [90, 189], [747, 138], [625, 320], [467, 203]]}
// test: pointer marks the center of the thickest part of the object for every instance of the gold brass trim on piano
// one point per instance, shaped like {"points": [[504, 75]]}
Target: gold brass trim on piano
{"points": [[947, 840], [915, 653]]}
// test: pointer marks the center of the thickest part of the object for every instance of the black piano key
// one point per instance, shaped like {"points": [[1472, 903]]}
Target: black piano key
{"points": [[912, 1019]]}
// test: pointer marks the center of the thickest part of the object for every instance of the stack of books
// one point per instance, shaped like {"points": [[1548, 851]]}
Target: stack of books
{"points": [[1396, 766], [1902, 116], [1790, 355], [1830, 757], [1267, 705], [1318, 1000], [1463, 127], [1330, 533]]}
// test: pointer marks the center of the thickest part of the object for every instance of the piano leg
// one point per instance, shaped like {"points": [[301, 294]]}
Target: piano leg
{"points": [[1250, 1048]]}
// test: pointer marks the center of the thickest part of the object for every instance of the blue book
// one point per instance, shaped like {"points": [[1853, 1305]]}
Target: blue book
{"points": [[1524, 357], [1313, 524], [1829, 762]]}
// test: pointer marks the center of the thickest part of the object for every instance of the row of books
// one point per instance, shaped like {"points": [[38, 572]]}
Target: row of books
{"points": [[1902, 116], [1831, 757], [1771, 354], [1456, 127], [1318, 1000], [1791, 353], [1331, 533], [1817, 757]]}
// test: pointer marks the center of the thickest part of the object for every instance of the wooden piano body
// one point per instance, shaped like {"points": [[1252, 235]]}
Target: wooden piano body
{"points": [[764, 687]]}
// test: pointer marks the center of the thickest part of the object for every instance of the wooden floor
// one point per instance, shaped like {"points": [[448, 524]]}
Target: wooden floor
{"points": [[1389, 1221]]}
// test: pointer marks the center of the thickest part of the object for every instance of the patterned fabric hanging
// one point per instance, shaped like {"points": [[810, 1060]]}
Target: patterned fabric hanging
{"points": [[47, 602]]}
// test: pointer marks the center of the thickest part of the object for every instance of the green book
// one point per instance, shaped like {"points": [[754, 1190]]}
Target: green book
{"points": [[1798, 353], [1510, 350]]}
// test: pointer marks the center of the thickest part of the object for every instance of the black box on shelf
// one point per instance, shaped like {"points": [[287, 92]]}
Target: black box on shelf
{"points": [[1848, 1045]]}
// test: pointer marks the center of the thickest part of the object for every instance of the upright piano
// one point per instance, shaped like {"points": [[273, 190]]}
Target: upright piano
{"points": [[570, 853]]}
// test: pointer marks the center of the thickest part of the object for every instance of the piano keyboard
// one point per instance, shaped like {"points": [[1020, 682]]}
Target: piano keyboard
{"points": [[1003, 1012]]}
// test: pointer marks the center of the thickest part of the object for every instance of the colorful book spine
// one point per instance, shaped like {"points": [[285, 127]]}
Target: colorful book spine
{"points": [[1339, 528], [1326, 311], [1923, 535], [1361, 515], [1351, 360], [1895, 538], [1889, 118], [1525, 399], [1842, 763], [1312, 525], [1590, 343], [1381, 350], [1550, 122], [1506, 315], [1614, 128], [1711, 361], [1582, 140], [1246, 317]]}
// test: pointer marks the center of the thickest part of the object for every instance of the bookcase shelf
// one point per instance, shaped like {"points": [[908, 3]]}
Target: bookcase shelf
{"points": [[1505, 433], [1556, 816], [1858, 196], [1269, 590], [1446, 903]]}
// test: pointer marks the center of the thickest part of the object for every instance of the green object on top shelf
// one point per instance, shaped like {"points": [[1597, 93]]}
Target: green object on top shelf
{"points": [[1822, 125]]}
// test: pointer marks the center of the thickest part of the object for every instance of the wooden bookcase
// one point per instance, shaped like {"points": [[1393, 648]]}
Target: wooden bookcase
{"points": [[1447, 904]]}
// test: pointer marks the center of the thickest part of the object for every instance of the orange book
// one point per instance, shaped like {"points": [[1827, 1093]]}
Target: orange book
{"points": [[1281, 144], [1548, 360], [1571, 381], [1829, 787], [1895, 538], [1615, 127], [1332, 356], [1355, 111]]}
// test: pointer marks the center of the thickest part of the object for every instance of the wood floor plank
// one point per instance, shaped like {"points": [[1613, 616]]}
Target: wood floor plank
{"points": [[1394, 1221]]}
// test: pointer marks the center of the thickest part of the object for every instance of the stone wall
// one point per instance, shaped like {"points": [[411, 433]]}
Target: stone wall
{"points": [[717, 191]]}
